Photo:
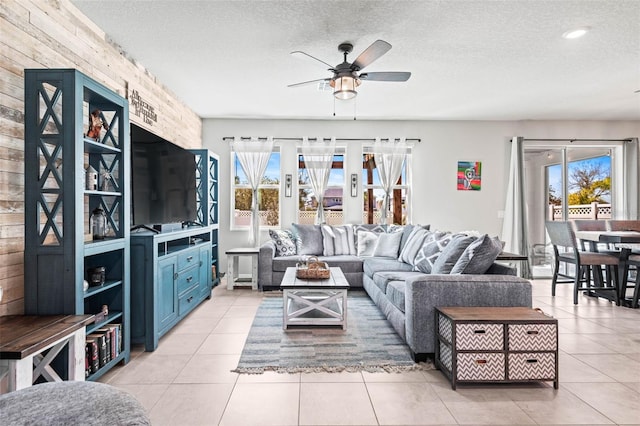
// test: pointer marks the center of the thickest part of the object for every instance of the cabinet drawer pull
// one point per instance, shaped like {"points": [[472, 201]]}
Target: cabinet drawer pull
{"points": [[189, 279], [189, 259], [532, 331], [532, 361], [189, 299], [481, 361], [479, 331], [175, 276]]}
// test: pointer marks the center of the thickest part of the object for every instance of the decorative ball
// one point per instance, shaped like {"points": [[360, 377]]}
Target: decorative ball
{"points": [[85, 285]]}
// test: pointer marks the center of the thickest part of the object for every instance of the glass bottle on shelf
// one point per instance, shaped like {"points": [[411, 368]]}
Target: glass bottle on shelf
{"points": [[98, 223]]}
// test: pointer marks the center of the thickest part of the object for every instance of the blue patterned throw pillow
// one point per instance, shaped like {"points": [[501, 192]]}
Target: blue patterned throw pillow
{"points": [[285, 245]]}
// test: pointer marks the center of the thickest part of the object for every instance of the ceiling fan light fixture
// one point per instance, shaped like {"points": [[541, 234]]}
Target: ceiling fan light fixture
{"points": [[345, 87]]}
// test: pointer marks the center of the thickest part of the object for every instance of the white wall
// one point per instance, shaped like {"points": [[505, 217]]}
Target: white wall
{"points": [[436, 200]]}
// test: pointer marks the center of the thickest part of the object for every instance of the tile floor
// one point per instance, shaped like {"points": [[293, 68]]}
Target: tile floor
{"points": [[187, 380]]}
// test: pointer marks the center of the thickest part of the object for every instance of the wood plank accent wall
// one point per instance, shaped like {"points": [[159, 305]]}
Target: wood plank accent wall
{"points": [[55, 34]]}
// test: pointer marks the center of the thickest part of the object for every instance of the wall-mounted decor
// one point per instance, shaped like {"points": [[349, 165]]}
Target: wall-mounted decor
{"points": [[469, 175], [287, 185], [354, 185]]}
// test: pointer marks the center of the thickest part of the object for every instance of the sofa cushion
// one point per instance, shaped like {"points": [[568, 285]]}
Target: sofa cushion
{"points": [[478, 256], [388, 245], [395, 294], [372, 265], [338, 240], [433, 244], [284, 242], [412, 245], [365, 227], [383, 278], [451, 253], [308, 239], [347, 263]]}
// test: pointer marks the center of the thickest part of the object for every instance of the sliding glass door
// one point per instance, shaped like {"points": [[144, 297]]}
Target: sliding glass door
{"points": [[569, 182]]}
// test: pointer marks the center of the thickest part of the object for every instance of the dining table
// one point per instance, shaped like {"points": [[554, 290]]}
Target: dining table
{"points": [[626, 242]]}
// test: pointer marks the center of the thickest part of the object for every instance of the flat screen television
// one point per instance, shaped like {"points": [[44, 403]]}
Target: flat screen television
{"points": [[163, 180]]}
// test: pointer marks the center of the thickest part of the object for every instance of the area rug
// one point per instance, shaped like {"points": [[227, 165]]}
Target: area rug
{"points": [[368, 344]]}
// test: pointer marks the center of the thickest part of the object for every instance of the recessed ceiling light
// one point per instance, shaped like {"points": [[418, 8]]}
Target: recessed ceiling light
{"points": [[577, 32]]}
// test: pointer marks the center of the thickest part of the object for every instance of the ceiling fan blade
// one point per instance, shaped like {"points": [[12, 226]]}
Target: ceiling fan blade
{"points": [[385, 76], [308, 82], [299, 53], [370, 54]]}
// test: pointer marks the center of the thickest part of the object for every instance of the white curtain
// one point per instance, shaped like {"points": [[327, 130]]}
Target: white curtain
{"points": [[515, 225], [318, 158], [253, 156], [389, 155]]}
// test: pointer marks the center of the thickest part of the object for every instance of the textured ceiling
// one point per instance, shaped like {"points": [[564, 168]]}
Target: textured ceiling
{"points": [[480, 60]]}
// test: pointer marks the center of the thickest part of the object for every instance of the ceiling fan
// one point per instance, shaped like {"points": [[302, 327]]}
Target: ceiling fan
{"points": [[347, 76]]}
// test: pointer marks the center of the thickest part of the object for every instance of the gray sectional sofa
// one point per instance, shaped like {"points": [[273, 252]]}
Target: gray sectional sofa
{"points": [[406, 282]]}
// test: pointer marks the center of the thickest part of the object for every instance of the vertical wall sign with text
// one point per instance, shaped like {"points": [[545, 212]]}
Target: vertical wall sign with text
{"points": [[139, 107]]}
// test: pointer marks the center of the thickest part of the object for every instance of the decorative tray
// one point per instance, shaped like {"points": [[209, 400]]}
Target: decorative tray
{"points": [[313, 269]]}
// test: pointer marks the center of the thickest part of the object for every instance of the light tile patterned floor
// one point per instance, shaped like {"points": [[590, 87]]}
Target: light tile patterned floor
{"points": [[187, 380]]}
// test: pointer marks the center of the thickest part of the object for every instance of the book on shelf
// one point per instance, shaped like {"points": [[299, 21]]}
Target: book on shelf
{"points": [[106, 332], [94, 361], [101, 341]]}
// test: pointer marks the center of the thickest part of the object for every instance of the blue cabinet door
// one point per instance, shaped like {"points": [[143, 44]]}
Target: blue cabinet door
{"points": [[167, 293], [205, 271]]}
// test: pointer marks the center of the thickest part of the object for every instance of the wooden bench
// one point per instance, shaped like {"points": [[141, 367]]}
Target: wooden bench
{"points": [[24, 339]]}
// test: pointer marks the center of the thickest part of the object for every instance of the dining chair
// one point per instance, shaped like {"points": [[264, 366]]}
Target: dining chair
{"points": [[593, 225], [562, 236], [634, 258]]}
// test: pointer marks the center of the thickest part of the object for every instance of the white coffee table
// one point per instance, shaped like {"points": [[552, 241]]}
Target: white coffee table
{"points": [[314, 302]]}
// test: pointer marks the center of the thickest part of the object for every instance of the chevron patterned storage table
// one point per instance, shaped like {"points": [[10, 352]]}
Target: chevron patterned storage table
{"points": [[481, 344]]}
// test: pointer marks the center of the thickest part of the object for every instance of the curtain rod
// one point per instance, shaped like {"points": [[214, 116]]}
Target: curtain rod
{"points": [[577, 140], [313, 139]]}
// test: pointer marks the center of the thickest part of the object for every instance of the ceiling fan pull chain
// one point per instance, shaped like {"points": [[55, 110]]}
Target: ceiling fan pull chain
{"points": [[355, 103], [334, 106]]}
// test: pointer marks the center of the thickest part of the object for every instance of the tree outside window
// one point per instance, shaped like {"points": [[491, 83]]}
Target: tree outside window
{"points": [[268, 195]]}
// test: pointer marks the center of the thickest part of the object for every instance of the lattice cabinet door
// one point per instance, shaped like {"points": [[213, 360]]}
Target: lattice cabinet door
{"points": [[77, 161], [207, 181]]}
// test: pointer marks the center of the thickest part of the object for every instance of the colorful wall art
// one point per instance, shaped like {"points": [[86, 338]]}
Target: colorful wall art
{"points": [[469, 175]]}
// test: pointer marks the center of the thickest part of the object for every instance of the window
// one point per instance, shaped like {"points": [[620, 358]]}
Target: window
{"points": [[307, 204], [268, 195], [373, 194], [588, 188]]}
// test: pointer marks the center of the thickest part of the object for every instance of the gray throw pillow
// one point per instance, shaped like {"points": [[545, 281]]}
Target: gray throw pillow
{"points": [[388, 245], [365, 227], [478, 256], [308, 239], [451, 253], [433, 244], [412, 245], [285, 245]]}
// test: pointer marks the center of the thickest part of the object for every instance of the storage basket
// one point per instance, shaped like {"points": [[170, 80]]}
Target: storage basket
{"points": [[313, 269]]}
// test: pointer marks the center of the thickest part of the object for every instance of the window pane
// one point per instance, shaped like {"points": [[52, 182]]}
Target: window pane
{"points": [[373, 195], [332, 201], [268, 199]]}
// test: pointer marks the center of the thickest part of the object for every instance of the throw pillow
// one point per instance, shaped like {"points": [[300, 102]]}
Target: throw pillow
{"points": [[338, 240], [451, 253], [367, 242], [365, 227], [479, 256], [388, 245], [285, 244], [412, 245], [308, 239], [433, 244]]}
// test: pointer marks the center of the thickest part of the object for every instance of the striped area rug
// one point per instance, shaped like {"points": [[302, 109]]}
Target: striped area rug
{"points": [[368, 344]]}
